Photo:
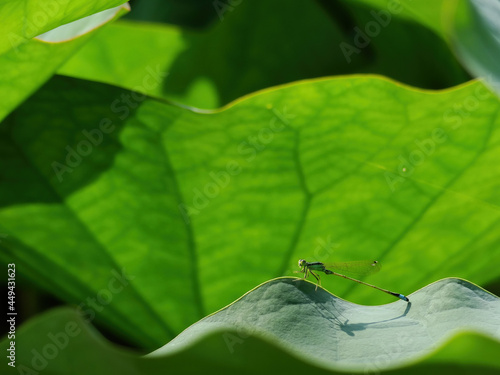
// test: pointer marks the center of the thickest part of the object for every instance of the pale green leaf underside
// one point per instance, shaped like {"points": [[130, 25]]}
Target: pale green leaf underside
{"points": [[319, 326], [285, 325]]}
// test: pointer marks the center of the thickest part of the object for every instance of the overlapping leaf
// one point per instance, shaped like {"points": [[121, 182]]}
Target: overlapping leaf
{"points": [[284, 325], [22, 20], [31, 62]]}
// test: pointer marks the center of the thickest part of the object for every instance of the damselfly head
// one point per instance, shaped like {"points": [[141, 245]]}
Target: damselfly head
{"points": [[302, 263]]}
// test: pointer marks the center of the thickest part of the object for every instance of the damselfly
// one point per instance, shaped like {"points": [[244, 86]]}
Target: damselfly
{"points": [[363, 267]]}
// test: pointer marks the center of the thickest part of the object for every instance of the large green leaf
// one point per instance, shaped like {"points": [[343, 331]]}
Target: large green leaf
{"points": [[451, 326], [247, 51], [199, 207]]}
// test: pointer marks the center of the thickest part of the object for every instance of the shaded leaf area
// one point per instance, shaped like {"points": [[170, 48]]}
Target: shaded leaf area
{"points": [[265, 43], [22, 20], [476, 38], [196, 14], [286, 325], [149, 216], [430, 14]]}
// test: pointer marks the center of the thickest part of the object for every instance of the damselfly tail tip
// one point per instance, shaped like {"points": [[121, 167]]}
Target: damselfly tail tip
{"points": [[404, 298]]}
